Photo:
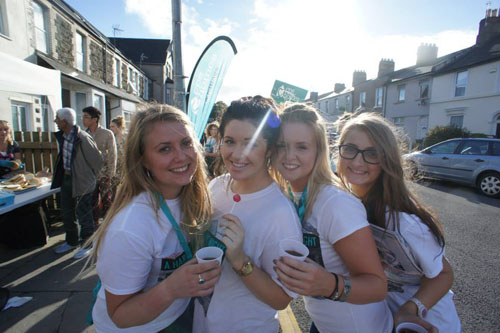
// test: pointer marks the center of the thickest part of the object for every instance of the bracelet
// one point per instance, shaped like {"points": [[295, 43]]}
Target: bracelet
{"points": [[347, 289], [335, 293]]}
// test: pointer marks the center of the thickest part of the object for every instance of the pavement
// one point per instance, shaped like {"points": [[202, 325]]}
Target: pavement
{"points": [[61, 291]]}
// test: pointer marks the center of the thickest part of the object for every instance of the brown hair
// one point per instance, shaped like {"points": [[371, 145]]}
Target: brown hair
{"points": [[119, 122], [390, 190], [9, 131], [135, 178]]}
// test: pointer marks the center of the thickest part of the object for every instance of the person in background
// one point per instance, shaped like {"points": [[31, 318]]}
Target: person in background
{"points": [[144, 248], [78, 164], [117, 126], [105, 141], [9, 149], [342, 280], [419, 277], [249, 294], [211, 146]]}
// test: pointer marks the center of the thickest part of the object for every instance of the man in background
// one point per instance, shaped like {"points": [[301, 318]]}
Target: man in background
{"points": [[106, 143]]}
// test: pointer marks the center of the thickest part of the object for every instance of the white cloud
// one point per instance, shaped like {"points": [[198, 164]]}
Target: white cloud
{"points": [[310, 44]]}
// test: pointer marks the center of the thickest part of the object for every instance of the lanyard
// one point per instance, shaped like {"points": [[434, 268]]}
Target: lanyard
{"points": [[171, 218], [300, 205]]}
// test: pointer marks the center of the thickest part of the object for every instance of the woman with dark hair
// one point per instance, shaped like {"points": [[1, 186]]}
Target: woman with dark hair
{"points": [[251, 216]]}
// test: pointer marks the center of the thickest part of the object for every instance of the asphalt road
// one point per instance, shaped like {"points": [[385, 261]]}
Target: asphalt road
{"points": [[472, 230]]}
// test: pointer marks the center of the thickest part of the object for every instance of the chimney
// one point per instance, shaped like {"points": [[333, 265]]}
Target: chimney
{"points": [[339, 87], [313, 96], [489, 27], [426, 53], [358, 77], [385, 66]]}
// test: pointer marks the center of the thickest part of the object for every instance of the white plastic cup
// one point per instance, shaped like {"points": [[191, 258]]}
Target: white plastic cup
{"points": [[208, 254], [293, 249], [410, 328]]}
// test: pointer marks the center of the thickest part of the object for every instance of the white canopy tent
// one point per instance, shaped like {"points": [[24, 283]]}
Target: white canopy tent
{"points": [[24, 77]]}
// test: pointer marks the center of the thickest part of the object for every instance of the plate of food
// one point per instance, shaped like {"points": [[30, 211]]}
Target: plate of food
{"points": [[21, 183]]}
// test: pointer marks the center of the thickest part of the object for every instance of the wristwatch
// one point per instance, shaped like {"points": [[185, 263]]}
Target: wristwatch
{"points": [[422, 310], [246, 270]]}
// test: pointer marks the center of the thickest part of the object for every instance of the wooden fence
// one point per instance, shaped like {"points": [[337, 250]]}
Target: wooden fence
{"points": [[38, 152]]}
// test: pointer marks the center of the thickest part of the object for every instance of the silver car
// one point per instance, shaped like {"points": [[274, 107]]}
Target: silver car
{"points": [[469, 161]]}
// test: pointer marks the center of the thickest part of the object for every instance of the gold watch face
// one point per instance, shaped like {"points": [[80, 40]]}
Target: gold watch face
{"points": [[246, 269]]}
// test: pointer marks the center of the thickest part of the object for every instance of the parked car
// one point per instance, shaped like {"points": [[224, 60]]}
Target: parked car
{"points": [[474, 162]]}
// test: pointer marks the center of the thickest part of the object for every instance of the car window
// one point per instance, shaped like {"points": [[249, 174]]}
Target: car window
{"points": [[496, 149], [445, 148], [474, 148]]}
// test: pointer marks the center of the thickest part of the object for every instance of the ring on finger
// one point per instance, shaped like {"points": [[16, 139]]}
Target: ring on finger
{"points": [[200, 279]]}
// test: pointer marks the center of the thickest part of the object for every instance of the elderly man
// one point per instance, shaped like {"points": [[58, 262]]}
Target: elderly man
{"points": [[78, 164], [106, 143]]}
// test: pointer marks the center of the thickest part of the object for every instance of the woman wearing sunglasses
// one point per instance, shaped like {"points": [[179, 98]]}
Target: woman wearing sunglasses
{"points": [[409, 237]]}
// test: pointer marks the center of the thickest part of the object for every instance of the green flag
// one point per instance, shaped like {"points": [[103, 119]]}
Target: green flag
{"points": [[283, 92]]}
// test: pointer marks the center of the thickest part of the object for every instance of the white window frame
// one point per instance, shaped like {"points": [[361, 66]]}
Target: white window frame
{"points": [[101, 106], [401, 93], [136, 82], [27, 116], [379, 95], [39, 30], [422, 84], [461, 85], [362, 98], [80, 54], [127, 117], [117, 77], [4, 22]]}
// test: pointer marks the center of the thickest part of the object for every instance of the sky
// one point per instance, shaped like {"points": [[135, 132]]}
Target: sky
{"points": [[311, 44]]}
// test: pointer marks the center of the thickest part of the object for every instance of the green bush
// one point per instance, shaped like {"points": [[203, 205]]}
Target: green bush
{"points": [[442, 133], [479, 135]]}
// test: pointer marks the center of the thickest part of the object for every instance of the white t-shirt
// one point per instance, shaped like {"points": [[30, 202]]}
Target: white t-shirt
{"points": [[428, 255], [138, 251], [267, 216], [335, 215]]}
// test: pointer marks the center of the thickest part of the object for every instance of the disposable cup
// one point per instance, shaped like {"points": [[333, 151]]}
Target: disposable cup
{"points": [[293, 249], [410, 328], [209, 253]]}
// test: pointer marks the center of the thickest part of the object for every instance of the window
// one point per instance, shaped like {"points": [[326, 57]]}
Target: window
{"points": [[117, 73], [136, 83], [20, 116], [362, 99], [41, 38], [46, 114], [424, 89], [495, 149], [398, 121], [336, 104], [401, 93], [474, 148], [130, 77], [379, 93], [348, 101], [126, 117], [80, 103], [4, 27], [457, 121], [80, 52], [445, 148], [146, 88], [461, 83], [98, 102]]}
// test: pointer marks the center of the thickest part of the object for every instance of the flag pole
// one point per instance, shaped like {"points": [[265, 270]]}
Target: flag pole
{"points": [[179, 88]]}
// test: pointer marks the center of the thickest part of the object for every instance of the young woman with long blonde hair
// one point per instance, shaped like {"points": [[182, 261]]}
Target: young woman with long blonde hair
{"points": [[145, 245], [342, 280], [409, 236]]}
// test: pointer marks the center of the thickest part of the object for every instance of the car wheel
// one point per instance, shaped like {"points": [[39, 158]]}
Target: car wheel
{"points": [[489, 184]]}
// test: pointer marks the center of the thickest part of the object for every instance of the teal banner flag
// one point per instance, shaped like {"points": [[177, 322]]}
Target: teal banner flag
{"points": [[206, 80], [283, 92]]}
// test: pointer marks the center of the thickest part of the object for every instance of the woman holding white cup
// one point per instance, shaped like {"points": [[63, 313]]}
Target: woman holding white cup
{"points": [[342, 279]]}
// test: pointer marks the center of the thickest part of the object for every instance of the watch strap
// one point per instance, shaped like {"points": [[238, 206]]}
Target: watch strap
{"points": [[422, 309], [246, 269]]}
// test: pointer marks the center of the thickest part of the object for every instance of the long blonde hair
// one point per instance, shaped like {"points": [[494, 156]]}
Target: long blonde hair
{"points": [[390, 190], [321, 174], [195, 201]]}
